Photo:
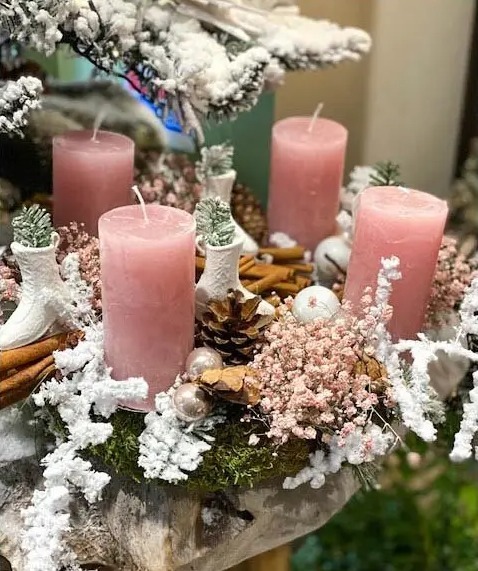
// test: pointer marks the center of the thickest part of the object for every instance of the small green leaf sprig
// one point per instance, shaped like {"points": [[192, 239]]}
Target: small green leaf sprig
{"points": [[387, 174], [214, 224], [33, 227], [215, 161]]}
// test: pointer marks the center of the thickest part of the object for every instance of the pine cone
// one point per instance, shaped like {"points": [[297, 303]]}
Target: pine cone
{"points": [[234, 384], [233, 327], [248, 213]]}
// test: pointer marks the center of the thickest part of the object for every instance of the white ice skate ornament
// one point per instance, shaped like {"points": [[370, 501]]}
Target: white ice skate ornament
{"points": [[44, 300], [221, 273], [221, 186]]}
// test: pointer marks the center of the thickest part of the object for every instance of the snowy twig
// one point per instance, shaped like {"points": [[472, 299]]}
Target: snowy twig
{"points": [[17, 100]]}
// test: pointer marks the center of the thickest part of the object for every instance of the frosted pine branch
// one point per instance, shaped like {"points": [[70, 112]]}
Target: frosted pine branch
{"points": [[462, 448], [215, 161], [33, 227], [85, 389], [17, 100], [174, 55], [214, 222]]}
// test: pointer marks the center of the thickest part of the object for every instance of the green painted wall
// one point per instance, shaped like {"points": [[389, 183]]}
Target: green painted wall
{"points": [[251, 136]]}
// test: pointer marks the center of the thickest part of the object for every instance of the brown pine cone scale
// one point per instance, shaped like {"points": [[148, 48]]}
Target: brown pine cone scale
{"points": [[233, 327]]}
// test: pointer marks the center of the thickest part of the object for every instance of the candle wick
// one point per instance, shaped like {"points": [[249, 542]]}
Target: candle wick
{"points": [[320, 106], [142, 204], [98, 122]]}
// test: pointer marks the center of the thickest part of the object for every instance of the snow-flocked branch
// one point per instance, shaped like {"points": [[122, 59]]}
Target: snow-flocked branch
{"points": [[17, 100], [200, 58]]}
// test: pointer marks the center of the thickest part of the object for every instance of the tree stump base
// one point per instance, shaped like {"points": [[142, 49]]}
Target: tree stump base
{"points": [[145, 527]]}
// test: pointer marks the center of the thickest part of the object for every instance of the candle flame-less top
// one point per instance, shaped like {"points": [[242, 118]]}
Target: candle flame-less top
{"points": [[83, 142], [401, 202], [164, 223], [301, 131]]}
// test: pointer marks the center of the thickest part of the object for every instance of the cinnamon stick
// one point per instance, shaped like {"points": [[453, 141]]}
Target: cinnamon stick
{"points": [[284, 254], [20, 385], [200, 263], [245, 260], [302, 268], [265, 283], [285, 289], [303, 282], [246, 266], [15, 358], [260, 271]]}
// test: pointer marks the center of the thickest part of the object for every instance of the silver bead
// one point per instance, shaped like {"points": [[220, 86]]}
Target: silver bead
{"points": [[315, 302], [191, 403], [201, 360]]}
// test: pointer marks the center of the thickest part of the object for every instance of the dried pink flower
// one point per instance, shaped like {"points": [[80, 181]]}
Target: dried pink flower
{"points": [[311, 384], [74, 238], [453, 275], [175, 184]]}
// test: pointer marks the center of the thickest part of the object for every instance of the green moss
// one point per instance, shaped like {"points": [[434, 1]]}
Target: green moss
{"points": [[230, 462], [121, 451], [233, 462]]}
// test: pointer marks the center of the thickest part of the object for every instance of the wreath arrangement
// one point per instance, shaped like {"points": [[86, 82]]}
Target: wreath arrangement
{"points": [[285, 380]]}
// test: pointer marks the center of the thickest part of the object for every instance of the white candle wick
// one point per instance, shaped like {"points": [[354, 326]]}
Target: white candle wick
{"points": [[141, 203], [98, 121], [320, 106]]}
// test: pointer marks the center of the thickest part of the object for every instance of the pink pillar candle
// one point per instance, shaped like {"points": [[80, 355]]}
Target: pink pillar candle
{"points": [[307, 169], [409, 224], [147, 272], [90, 176]]}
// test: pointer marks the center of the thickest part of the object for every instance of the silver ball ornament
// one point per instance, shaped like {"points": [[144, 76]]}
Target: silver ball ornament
{"points": [[315, 302], [332, 257], [191, 403], [201, 360]]}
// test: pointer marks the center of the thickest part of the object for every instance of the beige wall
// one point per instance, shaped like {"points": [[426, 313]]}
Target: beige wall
{"points": [[416, 87], [403, 102]]}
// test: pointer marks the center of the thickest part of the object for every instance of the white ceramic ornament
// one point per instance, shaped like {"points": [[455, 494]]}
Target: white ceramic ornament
{"points": [[202, 359], [191, 403], [44, 298], [315, 302], [221, 186], [221, 273], [332, 257]]}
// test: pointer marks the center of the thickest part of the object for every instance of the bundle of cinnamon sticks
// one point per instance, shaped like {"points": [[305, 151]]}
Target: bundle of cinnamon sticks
{"points": [[275, 274], [22, 370]]}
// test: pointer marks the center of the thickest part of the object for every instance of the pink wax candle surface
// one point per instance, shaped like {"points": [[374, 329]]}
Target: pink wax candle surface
{"points": [[409, 224], [147, 272], [307, 167], [90, 176]]}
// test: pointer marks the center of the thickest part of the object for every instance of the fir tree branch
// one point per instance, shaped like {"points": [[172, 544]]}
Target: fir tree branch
{"points": [[215, 161], [32, 227], [387, 174], [214, 222]]}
